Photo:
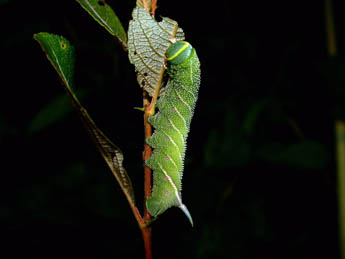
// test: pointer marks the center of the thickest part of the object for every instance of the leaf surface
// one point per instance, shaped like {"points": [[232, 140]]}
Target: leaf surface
{"points": [[106, 17], [306, 154], [61, 55], [54, 111], [148, 41], [57, 109]]}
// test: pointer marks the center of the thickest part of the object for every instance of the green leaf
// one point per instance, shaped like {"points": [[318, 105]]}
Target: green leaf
{"points": [[54, 111], [304, 154], [60, 53], [253, 114], [228, 147], [106, 17], [148, 41]]}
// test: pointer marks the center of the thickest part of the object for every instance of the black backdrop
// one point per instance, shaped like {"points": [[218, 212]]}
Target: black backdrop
{"points": [[260, 169]]}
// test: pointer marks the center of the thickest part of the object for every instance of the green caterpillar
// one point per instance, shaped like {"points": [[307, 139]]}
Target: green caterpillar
{"points": [[172, 123]]}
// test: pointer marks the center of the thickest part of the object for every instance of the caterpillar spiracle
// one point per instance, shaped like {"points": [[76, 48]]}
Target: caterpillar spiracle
{"points": [[172, 124]]}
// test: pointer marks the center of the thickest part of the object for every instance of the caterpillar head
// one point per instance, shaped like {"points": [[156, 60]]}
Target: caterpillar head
{"points": [[178, 52]]}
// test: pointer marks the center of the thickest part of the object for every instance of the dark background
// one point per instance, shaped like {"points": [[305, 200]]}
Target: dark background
{"points": [[260, 170]]}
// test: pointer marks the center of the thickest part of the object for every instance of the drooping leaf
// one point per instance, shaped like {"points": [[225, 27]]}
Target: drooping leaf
{"points": [[106, 17], [60, 53], [148, 41]]}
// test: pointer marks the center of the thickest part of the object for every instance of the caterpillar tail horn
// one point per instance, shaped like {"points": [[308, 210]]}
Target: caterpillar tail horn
{"points": [[186, 212]]}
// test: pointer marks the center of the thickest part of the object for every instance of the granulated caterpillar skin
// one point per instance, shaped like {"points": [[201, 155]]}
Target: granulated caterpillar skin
{"points": [[172, 124]]}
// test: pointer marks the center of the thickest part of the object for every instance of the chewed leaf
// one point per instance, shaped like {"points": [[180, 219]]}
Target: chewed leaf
{"points": [[106, 17], [110, 152], [60, 53], [148, 41]]}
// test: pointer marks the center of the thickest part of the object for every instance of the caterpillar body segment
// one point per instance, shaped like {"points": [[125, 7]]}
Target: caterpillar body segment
{"points": [[172, 124]]}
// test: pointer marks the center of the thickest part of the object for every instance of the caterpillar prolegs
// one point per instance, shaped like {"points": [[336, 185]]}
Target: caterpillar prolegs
{"points": [[172, 123]]}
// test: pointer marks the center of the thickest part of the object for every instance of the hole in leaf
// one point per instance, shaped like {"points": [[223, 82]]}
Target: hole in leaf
{"points": [[135, 53], [101, 2], [145, 74], [143, 83]]}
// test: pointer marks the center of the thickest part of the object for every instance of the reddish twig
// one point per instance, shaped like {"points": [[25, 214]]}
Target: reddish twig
{"points": [[149, 5], [146, 230], [153, 7], [147, 153], [147, 237]]}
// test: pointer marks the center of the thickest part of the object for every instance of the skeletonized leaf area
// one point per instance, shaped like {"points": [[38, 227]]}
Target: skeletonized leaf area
{"points": [[148, 41]]}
